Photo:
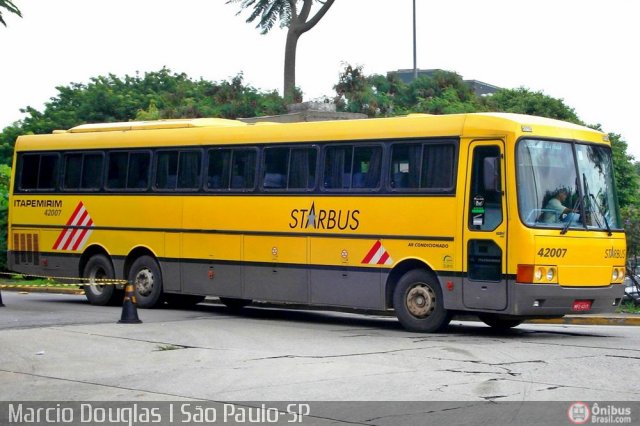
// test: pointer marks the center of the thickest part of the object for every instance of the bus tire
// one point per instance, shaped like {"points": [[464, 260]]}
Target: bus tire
{"points": [[235, 304], [418, 302], [146, 276], [99, 267], [498, 323]]}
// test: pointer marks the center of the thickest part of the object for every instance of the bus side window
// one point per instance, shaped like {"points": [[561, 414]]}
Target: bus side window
{"points": [[117, 170], [219, 169], [276, 161], [138, 170], [405, 165], [243, 172], [189, 166], [352, 167], [438, 167], [92, 171], [367, 164], [72, 171], [128, 170], [427, 167], [82, 171], [39, 172], [166, 170], [337, 167], [302, 168]]}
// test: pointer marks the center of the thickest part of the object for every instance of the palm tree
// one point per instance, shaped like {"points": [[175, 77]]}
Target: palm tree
{"points": [[299, 21], [8, 5]]}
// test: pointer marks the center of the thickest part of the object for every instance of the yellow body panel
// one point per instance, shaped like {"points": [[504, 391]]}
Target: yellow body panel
{"points": [[582, 260]]}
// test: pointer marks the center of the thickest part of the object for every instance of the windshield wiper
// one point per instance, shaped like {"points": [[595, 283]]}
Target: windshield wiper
{"points": [[570, 215], [606, 222], [592, 210]]}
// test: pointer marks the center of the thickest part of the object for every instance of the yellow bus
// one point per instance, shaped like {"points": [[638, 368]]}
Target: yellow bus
{"points": [[501, 215]]}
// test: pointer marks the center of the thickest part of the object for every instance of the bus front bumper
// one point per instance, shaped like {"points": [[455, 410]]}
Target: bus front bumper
{"points": [[541, 300]]}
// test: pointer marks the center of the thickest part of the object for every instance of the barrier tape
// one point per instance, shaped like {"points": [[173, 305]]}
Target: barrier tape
{"points": [[82, 281], [27, 287]]}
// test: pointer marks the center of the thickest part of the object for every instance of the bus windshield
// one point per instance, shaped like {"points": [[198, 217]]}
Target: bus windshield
{"points": [[566, 185]]}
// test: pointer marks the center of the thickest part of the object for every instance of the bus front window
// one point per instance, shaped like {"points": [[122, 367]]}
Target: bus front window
{"points": [[547, 189], [553, 193], [596, 177]]}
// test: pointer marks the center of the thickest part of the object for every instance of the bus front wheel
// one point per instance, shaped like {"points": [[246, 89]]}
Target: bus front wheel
{"points": [[418, 302], [99, 268], [145, 275]]}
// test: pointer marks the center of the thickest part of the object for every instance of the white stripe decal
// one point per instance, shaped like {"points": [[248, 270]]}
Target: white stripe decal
{"points": [[74, 238]]}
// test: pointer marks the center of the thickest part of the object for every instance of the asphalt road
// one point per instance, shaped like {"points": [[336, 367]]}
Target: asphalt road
{"points": [[58, 347]]}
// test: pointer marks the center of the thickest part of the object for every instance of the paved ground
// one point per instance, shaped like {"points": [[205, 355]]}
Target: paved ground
{"points": [[56, 347], [339, 368]]}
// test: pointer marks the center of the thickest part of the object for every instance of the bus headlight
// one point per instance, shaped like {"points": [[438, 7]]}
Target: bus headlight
{"points": [[617, 274], [538, 274], [551, 274]]}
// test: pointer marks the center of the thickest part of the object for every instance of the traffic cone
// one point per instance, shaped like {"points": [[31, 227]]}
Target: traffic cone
{"points": [[129, 306]]}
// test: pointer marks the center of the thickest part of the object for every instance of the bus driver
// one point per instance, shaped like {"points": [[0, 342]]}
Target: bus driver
{"points": [[555, 208]]}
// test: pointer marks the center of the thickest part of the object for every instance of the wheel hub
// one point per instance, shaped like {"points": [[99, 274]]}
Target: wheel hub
{"points": [[144, 282], [421, 301], [97, 274]]}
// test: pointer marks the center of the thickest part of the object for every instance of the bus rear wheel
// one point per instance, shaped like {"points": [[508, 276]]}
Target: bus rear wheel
{"points": [[99, 268], [418, 302], [494, 321], [146, 276]]}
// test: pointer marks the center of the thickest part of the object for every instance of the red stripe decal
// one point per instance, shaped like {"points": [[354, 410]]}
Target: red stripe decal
{"points": [[75, 212], [372, 252]]}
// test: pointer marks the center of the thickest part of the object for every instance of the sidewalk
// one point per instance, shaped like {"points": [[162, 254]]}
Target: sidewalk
{"points": [[585, 319], [592, 319]]}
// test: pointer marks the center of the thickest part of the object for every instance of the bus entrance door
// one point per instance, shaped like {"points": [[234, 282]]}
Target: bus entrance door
{"points": [[485, 228]]}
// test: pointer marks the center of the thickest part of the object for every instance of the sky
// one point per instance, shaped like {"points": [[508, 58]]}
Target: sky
{"points": [[582, 51]]}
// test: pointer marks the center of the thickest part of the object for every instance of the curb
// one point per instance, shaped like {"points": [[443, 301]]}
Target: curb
{"points": [[631, 319]]}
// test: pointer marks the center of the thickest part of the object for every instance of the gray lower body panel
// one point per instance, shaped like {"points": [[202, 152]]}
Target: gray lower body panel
{"points": [[276, 283], [361, 289], [554, 300], [485, 295], [50, 266], [348, 288]]}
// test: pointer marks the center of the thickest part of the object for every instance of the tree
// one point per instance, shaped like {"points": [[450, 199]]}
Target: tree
{"points": [[524, 101], [8, 5], [625, 173], [155, 95], [267, 12], [377, 95]]}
